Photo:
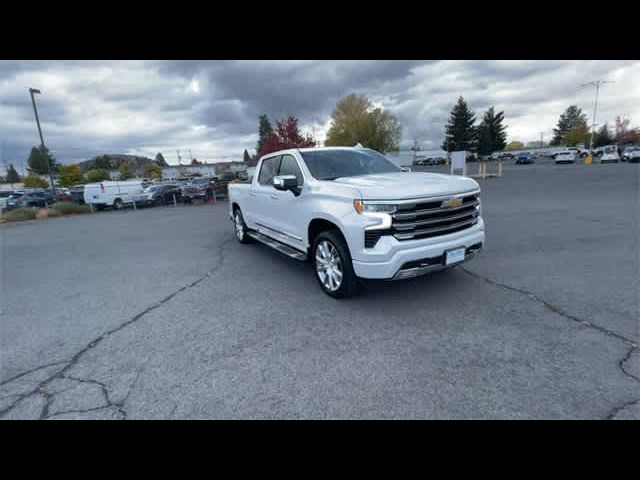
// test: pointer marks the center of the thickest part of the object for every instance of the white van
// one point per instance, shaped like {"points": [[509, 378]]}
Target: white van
{"points": [[112, 194]]}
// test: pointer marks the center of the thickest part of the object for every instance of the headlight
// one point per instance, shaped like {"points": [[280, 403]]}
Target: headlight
{"points": [[372, 207]]}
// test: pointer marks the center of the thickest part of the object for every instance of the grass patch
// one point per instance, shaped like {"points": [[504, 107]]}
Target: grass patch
{"points": [[44, 213], [20, 214], [69, 208]]}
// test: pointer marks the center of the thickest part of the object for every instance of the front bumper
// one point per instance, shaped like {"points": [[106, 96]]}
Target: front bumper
{"points": [[410, 259]]}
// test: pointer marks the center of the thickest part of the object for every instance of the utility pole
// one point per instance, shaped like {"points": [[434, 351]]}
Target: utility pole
{"points": [[190, 157], [179, 157], [596, 84], [541, 139], [44, 149]]}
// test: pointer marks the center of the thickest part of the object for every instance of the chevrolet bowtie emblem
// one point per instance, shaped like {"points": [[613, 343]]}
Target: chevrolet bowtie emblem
{"points": [[451, 203]]}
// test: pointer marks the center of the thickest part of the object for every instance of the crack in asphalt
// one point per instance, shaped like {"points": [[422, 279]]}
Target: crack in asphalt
{"points": [[633, 345], [554, 308], [625, 360], [40, 389], [619, 409], [20, 375]]}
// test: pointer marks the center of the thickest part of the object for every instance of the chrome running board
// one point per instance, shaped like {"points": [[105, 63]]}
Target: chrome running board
{"points": [[279, 246]]}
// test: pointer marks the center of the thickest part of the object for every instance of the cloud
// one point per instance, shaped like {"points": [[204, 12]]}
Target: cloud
{"points": [[211, 107]]}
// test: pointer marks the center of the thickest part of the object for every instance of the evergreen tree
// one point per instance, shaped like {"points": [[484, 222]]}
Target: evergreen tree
{"points": [[264, 131], [246, 157], [461, 133], [39, 161], [602, 137], [160, 160], [12, 175], [492, 135], [571, 118]]}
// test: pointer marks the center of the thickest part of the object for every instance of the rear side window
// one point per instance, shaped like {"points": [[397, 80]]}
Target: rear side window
{"points": [[289, 166], [268, 170]]}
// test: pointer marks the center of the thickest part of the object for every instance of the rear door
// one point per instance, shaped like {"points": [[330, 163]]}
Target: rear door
{"points": [[261, 196]]}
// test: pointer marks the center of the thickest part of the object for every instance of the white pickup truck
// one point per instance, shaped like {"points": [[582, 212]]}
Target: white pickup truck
{"points": [[356, 215]]}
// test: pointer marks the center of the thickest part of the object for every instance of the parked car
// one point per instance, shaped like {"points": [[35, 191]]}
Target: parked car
{"points": [[4, 197], [566, 156], [525, 158], [610, 155], [63, 195], [159, 195], [200, 188], [77, 194], [220, 185], [112, 193], [357, 215], [27, 199], [631, 154], [579, 151], [505, 156]]}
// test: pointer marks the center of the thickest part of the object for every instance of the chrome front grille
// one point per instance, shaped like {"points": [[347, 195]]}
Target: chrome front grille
{"points": [[433, 218]]}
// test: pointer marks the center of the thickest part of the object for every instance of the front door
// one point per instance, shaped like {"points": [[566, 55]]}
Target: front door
{"points": [[287, 214]]}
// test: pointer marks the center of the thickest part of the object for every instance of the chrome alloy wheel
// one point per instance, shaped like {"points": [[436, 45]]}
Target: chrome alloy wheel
{"points": [[328, 265], [237, 220]]}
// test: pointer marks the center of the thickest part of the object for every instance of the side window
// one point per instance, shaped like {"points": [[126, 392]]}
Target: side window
{"points": [[289, 166], [268, 170]]}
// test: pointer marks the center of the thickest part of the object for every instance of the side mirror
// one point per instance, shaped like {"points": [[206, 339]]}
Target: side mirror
{"points": [[405, 169], [286, 182]]}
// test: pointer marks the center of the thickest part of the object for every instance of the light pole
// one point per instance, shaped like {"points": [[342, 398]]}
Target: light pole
{"points": [[596, 84], [44, 149]]}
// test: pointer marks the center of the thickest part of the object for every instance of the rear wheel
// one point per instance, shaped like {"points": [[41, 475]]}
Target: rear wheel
{"points": [[333, 266], [240, 227], [117, 204]]}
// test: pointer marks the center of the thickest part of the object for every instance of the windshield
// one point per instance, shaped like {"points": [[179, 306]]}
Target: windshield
{"points": [[199, 181], [151, 189], [332, 164]]}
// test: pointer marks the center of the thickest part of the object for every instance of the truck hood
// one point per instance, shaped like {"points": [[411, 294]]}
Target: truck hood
{"points": [[407, 185]]}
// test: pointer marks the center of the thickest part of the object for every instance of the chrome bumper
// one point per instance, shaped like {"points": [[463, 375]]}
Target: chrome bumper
{"points": [[420, 270]]}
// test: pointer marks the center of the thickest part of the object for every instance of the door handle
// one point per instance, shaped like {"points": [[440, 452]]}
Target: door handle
{"points": [[253, 194], [274, 196]]}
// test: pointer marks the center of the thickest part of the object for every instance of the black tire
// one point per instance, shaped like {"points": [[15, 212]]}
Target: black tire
{"points": [[349, 283], [240, 228], [117, 204]]}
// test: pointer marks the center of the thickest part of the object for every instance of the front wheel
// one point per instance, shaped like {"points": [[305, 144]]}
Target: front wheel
{"points": [[117, 204], [333, 266]]}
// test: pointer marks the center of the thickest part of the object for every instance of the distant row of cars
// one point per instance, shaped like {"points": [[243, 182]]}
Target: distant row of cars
{"points": [[32, 197], [118, 194]]}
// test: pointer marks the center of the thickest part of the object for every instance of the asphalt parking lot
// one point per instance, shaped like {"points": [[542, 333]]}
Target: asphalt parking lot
{"points": [[160, 313]]}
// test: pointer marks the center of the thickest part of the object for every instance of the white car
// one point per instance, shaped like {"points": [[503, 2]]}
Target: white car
{"points": [[356, 215], [112, 193], [632, 155], [566, 156], [610, 155]]}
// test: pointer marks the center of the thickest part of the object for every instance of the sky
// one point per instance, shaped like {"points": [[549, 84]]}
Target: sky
{"points": [[211, 108]]}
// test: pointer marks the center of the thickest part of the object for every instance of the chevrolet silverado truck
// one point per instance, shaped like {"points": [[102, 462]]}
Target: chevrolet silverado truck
{"points": [[356, 215]]}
